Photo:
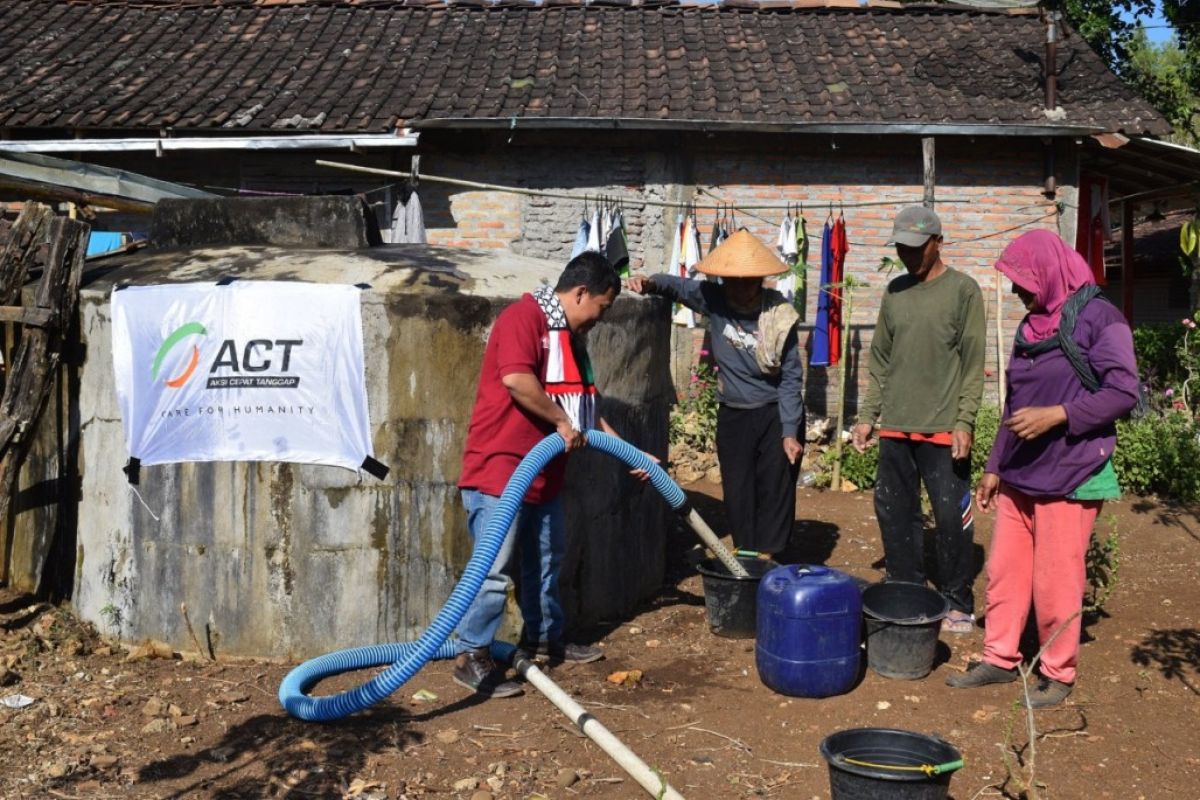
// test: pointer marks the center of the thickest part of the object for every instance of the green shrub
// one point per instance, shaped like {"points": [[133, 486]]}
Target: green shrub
{"points": [[1159, 455], [987, 422], [858, 468], [1157, 350]]}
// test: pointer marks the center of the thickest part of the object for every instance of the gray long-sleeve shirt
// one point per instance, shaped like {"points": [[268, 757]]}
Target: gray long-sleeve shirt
{"points": [[740, 383]]}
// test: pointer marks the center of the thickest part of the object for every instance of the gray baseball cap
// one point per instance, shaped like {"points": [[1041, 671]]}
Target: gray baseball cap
{"points": [[914, 225]]}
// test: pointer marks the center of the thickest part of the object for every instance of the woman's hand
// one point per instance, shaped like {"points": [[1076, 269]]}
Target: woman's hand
{"points": [[792, 449], [985, 492], [639, 284], [1032, 421]]}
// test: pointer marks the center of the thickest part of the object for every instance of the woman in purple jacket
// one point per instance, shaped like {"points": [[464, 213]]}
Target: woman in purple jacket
{"points": [[1071, 376]]}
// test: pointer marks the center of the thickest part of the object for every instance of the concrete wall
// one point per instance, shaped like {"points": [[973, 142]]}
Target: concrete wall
{"points": [[290, 560]]}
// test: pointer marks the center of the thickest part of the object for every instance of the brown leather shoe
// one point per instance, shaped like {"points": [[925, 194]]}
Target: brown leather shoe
{"points": [[477, 671]]}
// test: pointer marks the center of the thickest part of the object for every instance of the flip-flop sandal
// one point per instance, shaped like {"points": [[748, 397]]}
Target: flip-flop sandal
{"points": [[958, 622]]}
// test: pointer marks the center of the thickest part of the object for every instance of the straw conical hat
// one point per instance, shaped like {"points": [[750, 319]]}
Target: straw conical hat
{"points": [[742, 255]]}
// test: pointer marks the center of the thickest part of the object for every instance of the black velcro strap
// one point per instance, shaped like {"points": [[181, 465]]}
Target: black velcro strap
{"points": [[363, 286], [133, 470], [375, 468], [228, 279]]}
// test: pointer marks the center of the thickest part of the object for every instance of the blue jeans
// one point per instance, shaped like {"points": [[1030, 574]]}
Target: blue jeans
{"points": [[538, 535]]}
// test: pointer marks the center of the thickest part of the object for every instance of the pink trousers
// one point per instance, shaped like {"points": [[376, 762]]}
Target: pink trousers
{"points": [[1037, 556]]}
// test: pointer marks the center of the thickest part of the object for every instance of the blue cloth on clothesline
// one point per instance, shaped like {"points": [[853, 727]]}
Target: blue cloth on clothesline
{"points": [[820, 337]]}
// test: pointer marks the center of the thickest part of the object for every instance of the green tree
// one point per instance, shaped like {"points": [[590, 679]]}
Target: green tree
{"points": [[1161, 74], [1168, 76]]}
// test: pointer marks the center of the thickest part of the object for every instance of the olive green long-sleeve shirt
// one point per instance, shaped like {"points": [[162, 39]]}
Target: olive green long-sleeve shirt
{"points": [[926, 368]]}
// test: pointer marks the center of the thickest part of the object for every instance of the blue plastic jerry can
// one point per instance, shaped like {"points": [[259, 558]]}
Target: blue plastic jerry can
{"points": [[809, 631]]}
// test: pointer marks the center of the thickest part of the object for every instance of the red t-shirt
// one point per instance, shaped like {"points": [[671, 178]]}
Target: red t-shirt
{"points": [[501, 433]]}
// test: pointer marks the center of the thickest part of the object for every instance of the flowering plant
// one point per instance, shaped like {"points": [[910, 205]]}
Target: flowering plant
{"points": [[694, 420], [1189, 362]]}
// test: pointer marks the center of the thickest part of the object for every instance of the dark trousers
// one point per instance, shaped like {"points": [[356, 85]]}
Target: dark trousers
{"points": [[903, 466], [758, 482]]}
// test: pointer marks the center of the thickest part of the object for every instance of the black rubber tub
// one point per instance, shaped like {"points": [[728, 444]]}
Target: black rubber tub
{"points": [[903, 621], [732, 602], [888, 764]]}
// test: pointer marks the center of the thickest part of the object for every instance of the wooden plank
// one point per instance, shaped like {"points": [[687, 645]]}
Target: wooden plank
{"points": [[929, 169], [34, 368], [1127, 261], [38, 317], [21, 250], [56, 194]]}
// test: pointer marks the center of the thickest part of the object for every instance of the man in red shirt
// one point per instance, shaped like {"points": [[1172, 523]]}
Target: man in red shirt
{"points": [[536, 379]]}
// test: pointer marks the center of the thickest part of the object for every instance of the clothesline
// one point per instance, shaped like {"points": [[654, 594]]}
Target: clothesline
{"points": [[629, 199]]}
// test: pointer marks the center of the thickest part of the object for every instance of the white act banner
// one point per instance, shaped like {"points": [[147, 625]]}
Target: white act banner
{"points": [[249, 371]]}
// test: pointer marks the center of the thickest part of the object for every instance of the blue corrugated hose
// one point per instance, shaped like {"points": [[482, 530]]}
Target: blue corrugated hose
{"points": [[406, 658]]}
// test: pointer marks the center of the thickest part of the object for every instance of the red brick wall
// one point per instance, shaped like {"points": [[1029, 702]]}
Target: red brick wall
{"points": [[1001, 179]]}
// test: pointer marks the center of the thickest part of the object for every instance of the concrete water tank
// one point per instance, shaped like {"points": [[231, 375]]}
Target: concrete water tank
{"points": [[288, 560]]}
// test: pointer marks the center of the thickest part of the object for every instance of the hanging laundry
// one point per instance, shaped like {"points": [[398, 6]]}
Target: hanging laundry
{"points": [[1093, 228], [720, 232], [408, 221], [616, 247], [581, 237], [839, 246], [820, 336], [786, 244], [800, 269], [686, 254], [693, 247], [593, 242]]}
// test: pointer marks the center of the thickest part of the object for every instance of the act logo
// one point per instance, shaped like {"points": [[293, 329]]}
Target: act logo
{"points": [[169, 344]]}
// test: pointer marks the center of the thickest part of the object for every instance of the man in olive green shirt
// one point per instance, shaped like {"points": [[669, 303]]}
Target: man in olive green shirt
{"points": [[924, 388]]}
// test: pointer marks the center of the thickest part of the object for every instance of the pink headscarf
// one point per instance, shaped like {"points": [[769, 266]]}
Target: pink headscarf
{"points": [[1042, 263]]}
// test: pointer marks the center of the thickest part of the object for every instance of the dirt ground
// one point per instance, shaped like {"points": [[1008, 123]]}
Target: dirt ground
{"points": [[104, 724]]}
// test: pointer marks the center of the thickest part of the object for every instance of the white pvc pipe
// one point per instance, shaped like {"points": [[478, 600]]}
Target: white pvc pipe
{"points": [[650, 780], [713, 543]]}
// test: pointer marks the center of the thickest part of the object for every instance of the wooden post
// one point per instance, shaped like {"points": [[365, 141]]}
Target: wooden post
{"points": [[929, 171], [1001, 350], [1127, 260], [34, 368]]}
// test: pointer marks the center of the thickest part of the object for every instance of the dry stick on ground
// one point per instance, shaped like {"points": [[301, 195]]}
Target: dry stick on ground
{"points": [[736, 742], [192, 633], [1028, 783]]}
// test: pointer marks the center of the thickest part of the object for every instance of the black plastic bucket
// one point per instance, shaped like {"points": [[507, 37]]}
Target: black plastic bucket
{"points": [[903, 621], [891, 765], [732, 602]]}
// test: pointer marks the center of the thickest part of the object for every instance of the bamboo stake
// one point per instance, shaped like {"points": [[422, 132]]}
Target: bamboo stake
{"points": [[631, 199], [1002, 386], [848, 308]]}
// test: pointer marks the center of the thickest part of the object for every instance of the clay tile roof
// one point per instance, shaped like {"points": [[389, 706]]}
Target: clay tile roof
{"points": [[371, 65]]}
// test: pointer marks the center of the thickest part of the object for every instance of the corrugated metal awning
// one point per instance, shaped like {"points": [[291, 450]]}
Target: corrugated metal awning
{"points": [[56, 178]]}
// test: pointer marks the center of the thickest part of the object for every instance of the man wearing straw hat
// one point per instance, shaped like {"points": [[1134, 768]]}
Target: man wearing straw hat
{"points": [[759, 381], [924, 388]]}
